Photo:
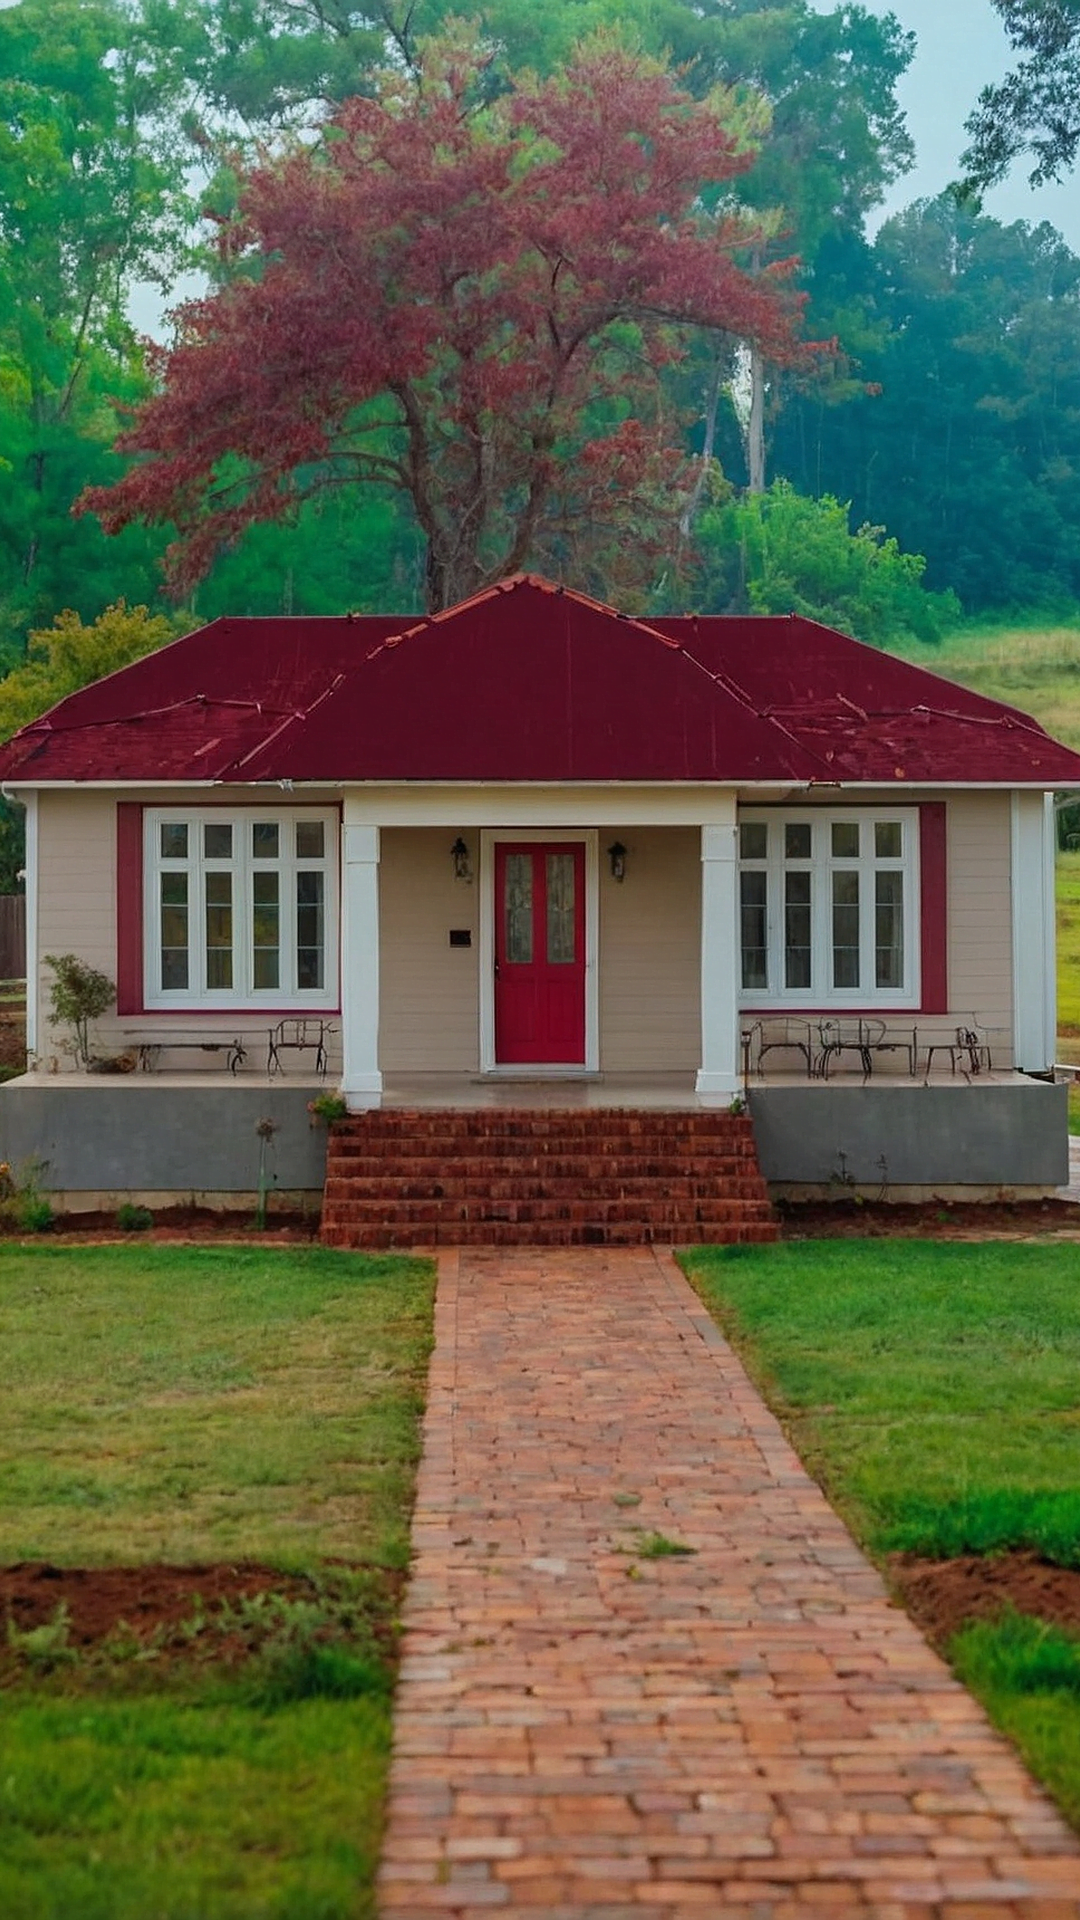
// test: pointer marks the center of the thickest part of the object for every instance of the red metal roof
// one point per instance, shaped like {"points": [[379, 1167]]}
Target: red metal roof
{"points": [[528, 682]]}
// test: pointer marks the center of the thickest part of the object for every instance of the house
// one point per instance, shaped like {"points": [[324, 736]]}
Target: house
{"points": [[531, 853]]}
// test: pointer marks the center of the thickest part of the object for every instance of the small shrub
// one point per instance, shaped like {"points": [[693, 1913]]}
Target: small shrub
{"points": [[21, 1199], [78, 995], [35, 1215], [328, 1107], [132, 1219]]}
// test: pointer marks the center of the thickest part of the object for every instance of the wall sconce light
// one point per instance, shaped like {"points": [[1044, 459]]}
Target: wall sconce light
{"points": [[617, 856], [459, 854]]}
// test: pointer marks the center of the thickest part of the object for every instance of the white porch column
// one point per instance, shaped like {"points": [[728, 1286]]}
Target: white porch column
{"points": [[361, 1081], [33, 958], [718, 1076], [1034, 932]]}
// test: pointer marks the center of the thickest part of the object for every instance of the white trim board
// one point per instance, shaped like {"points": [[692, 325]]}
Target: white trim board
{"points": [[589, 838]]}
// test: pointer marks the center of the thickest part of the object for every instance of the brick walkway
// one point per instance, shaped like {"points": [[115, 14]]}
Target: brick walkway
{"points": [[753, 1732]]}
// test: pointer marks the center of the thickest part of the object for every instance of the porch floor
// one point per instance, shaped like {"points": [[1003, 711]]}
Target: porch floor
{"points": [[564, 1092]]}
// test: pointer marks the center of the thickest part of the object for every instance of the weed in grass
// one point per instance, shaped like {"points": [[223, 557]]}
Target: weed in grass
{"points": [[657, 1546], [42, 1649]]}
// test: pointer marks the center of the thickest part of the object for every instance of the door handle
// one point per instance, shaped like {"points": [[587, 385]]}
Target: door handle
{"points": [[496, 969]]}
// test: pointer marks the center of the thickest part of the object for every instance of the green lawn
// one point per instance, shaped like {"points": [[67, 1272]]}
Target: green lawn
{"points": [[934, 1391], [206, 1405]]}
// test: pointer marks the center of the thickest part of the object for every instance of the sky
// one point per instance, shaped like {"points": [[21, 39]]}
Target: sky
{"points": [[961, 48]]}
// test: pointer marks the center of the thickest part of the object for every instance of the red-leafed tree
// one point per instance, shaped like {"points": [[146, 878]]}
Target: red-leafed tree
{"points": [[469, 300]]}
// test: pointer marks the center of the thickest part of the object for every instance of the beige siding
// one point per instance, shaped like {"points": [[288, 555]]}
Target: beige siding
{"points": [[650, 945], [980, 913], [76, 898], [429, 990]]}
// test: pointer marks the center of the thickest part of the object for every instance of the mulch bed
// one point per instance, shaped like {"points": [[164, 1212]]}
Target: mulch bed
{"points": [[146, 1599], [803, 1220], [925, 1220], [178, 1225], [943, 1595]]}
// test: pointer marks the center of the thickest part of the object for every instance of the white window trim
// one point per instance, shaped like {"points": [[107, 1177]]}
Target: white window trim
{"points": [[821, 996], [244, 996], [587, 837]]}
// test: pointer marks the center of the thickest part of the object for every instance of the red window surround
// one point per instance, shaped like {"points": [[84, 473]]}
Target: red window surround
{"points": [[934, 906], [130, 956], [129, 907]]}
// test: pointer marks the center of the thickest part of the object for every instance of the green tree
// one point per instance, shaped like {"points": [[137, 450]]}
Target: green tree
{"points": [[965, 439], [779, 552], [69, 655], [91, 198], [1036, 108]]}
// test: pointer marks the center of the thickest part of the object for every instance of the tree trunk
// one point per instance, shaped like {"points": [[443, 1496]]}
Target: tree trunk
{"points": [[755, 430]]}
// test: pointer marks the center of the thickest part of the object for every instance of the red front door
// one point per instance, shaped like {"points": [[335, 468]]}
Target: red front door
{"points": [[540, 953]]}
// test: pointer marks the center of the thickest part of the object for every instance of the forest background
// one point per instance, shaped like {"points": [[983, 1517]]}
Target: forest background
{"points": [[919, 471]]}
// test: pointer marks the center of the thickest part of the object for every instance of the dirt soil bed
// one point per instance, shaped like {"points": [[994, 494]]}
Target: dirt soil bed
{"points": [[925, 1220], [177, 1224], [942, 1595], [809, 1220], [13, 1040], [146, 1599]]}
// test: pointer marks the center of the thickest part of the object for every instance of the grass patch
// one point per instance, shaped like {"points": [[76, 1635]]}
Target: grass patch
{"points": [[1027, 1676], [933, 1387], [1068, 956], [199, 1406], [211, 1403], [934, 1391]]}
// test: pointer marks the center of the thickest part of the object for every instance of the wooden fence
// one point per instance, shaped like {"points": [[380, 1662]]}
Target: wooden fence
{"points": [[12, 936]]}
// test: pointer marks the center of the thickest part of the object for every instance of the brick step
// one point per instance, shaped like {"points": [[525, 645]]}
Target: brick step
{"points": [[613, 1187], [595, 1170], [393, 1210], [491, 1233], [387, 1124], [661, 1151]]}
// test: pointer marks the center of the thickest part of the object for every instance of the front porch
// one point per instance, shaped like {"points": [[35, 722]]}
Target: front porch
{"points": [[162, 1137]]}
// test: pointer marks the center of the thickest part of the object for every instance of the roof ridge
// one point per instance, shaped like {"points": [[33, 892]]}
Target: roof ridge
{"points": [[509, 584]]}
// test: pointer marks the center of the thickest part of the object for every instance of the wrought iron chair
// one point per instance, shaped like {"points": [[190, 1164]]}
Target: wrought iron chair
{"points": [[782, 1035], [300, 1036], [862, 1036]]}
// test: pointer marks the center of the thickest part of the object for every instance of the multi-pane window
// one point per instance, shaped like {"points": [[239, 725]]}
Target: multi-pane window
{"points": [[827, 904], [240, 907]]}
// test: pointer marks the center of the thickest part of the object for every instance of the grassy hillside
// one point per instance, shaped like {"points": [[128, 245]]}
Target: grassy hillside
{"points": [[1036, 668]]}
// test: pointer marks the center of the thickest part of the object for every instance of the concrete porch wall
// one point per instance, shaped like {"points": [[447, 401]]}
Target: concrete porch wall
{"points": [[1010, 1133], [167, 1136], [148, 1135]]}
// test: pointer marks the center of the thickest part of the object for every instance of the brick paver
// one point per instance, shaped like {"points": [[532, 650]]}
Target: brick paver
{"points": [[752, 1731]]}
